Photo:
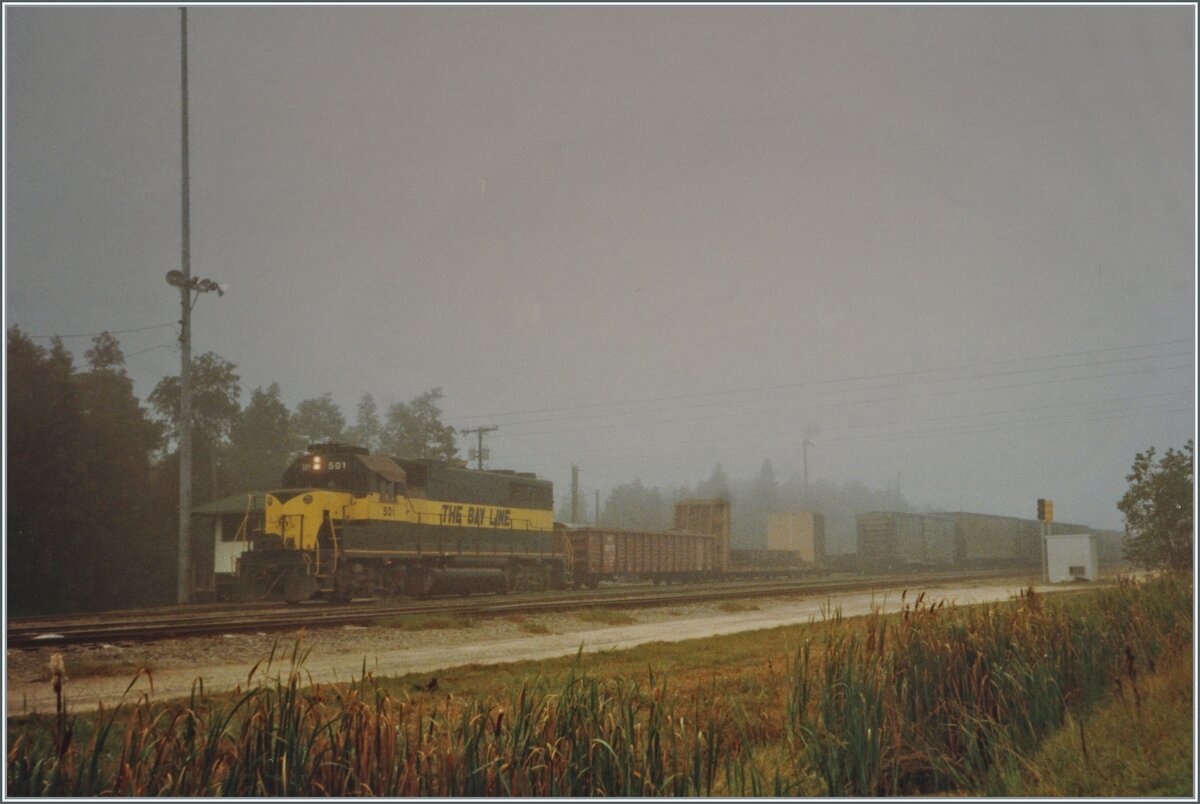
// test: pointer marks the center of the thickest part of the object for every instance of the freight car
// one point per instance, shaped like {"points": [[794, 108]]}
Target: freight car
{"points": [[711, 516], [753, 564], [887, 537], [607, 554], [961, 538], [350, 524], [989, 540]]}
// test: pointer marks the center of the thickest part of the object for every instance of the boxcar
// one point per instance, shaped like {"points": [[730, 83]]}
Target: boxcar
{"points": [[896, 537]]}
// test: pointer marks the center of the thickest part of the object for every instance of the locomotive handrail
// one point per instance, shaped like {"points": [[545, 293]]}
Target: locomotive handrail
{"points": [[570, 551], [245, 519], [336, 547]]}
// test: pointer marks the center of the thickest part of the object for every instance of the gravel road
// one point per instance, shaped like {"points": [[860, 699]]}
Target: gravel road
{"points": [[103, 672]]}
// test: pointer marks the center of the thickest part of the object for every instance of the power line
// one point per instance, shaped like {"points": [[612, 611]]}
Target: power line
{"points": [[713, 445], [726, 413], [108, 331], [961, 430], [856, 378], [151, 349], [480, 454]]}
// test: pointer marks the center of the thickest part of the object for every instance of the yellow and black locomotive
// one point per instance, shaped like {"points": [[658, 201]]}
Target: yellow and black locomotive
{"points": [[352, 524]]}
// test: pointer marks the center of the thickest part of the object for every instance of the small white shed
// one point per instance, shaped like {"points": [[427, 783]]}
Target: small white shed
{"points": [[1071, 557]]}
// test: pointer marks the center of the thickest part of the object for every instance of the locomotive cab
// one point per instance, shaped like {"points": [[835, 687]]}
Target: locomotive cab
{"points": [[346, 468]]}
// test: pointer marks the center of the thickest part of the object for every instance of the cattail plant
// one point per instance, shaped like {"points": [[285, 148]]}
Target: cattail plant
{"points": [[62, 729], [938, 698]]}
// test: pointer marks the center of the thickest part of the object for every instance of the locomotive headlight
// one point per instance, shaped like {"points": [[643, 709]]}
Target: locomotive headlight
{"points": [[317, 463]]}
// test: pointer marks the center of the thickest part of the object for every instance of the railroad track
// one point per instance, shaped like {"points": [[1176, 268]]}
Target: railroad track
{"points": [[181, 621]]}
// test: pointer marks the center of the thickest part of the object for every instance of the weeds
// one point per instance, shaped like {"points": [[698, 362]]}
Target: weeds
{"points": [[737, 605], [533, 628], [936, 699], [606, 616], [932, 700], [425, 622]]}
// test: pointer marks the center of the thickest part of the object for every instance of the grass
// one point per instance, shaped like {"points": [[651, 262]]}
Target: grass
{"points": [[84, 667], [606, 616], [737, 605], [983, 701], [425, 622], [534, 628], [1128, 746]]}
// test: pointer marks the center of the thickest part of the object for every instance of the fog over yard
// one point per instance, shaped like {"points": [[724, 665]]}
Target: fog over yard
{"points": [[952, 248]]}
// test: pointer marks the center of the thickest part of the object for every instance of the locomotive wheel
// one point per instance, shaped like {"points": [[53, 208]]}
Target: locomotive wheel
{"points": [[395, 581], [297, 586], [419, 582], [526, 578]]}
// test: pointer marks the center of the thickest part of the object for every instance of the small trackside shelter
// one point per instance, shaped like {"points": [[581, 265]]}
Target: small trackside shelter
{"points": [[221, 533], [1071, 557]]}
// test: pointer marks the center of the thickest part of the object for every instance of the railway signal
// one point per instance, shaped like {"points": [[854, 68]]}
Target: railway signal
{"points": [[1045, 510]]}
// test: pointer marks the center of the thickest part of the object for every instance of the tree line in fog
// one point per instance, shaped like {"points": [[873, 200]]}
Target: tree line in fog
{"points": [[753, 500], [93, 483]]}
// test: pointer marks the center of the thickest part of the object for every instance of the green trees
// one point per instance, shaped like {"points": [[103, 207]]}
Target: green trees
{"points": [[215, 412], [261, 441], [44, 420], [1158, 509], [633, 505], [367, 427], [82, 505], [319, 420], [415, 429], [716, 487], [116, 449]]}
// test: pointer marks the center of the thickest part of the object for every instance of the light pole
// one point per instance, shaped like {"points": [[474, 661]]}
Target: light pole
{"points": [[187, 286], [804, 446], [184, 278]]}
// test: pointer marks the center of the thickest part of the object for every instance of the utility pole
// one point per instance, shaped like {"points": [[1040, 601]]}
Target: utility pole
{"points": [[479, 456], [184, 590], [574, 494]]}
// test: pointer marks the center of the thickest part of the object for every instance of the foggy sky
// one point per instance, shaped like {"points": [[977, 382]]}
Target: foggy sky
{"points": [[645, 240]]}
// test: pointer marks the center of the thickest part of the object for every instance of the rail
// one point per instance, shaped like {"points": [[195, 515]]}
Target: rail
{"points": [[184, 621]]}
